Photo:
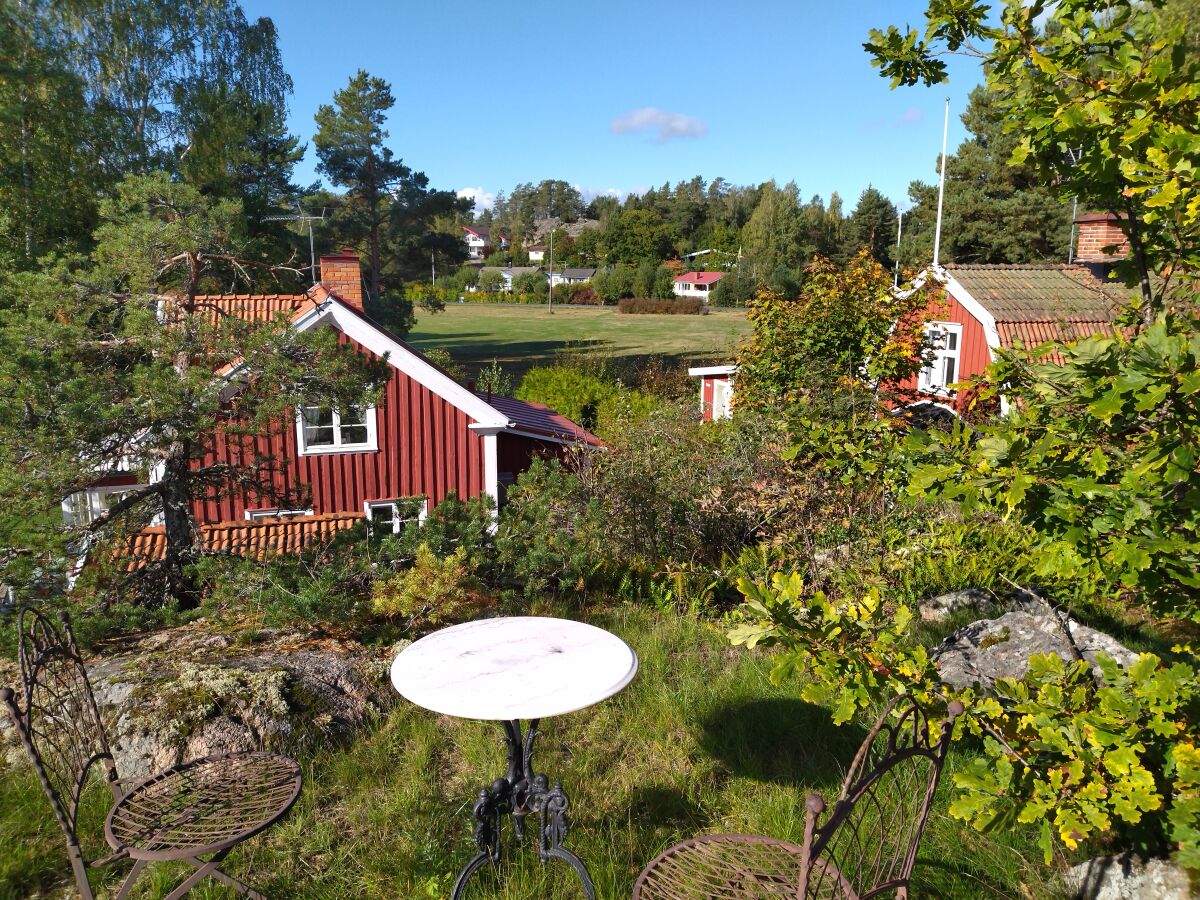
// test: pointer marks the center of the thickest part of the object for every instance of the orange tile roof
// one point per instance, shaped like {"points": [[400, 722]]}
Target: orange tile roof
{"points": [[257, 539], [251, 307]]}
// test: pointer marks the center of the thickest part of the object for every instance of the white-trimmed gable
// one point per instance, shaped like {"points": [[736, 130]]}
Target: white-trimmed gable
{"points": [[405, 359]]}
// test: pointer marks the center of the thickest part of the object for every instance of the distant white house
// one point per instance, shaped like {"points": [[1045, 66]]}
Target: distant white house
{"points": [[537, 252], [478, 237], [572, 276], [696, 284]]}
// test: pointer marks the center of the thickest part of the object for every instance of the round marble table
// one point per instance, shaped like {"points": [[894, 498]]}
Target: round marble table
{"points": [[506, 670]]}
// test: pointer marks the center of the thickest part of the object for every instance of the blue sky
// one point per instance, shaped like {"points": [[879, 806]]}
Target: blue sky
{"points": [[620, 96]]}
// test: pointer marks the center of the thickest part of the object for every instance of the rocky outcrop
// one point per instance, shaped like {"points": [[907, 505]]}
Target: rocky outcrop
{"points": [[183, 693], [943, 606], [988, 649], [1127, 878]]}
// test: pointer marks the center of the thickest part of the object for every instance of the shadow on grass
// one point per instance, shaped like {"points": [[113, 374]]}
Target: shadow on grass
{"points": [[782, 741], [659, 806]]}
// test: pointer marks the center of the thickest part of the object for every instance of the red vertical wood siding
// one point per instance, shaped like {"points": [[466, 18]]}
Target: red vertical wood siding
{"points": [[973, 355], [425, 449], [707, 389]]}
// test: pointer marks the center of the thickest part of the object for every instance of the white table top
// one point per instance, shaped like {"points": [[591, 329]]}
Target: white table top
{"points": [[520, 667]]}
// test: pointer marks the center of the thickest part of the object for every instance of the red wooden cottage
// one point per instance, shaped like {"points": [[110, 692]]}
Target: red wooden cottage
{"points": [[987, 307], [427, 437]]}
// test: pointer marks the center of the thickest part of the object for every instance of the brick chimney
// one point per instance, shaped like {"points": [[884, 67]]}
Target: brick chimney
{"points": [[1097, 231], [341, 274]]}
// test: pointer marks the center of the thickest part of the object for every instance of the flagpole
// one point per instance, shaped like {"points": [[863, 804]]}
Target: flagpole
{"points": [[937, 232]]}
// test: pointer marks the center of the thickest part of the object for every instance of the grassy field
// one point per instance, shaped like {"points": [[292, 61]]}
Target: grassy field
{"points": [[700, 742], [521, 336]]}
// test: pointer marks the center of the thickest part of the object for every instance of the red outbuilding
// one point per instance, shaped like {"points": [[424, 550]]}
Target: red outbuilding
{"points": [[427, 437]]}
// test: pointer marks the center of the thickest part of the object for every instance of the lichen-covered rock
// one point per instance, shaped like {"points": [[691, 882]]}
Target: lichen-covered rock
{"points": [[1127, 878], [183, 693], [983, 651], [942, 606]]}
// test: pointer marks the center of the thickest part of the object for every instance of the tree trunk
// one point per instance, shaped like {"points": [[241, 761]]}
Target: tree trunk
{"points": [[181, 549], [1149, 307]]}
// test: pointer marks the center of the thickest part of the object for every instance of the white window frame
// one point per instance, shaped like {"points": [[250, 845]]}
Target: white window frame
{"points": [[373, 507], [371, 443], [95, 500], [255, 515], [932, 379]]}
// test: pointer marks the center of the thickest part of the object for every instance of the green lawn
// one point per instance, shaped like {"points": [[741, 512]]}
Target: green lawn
{"points": [[522, 336], [699, 742]]}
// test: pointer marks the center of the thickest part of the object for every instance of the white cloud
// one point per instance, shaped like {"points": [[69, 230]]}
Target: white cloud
{"points": [[911, 116], [666, 125], [481, 198]]}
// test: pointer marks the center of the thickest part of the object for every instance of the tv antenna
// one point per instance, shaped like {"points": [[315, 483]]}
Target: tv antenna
{"points": [[301, 216]]}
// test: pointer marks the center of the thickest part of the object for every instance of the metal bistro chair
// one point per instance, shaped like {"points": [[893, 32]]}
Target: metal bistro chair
{"points": [[200, 808], [865, 848]]}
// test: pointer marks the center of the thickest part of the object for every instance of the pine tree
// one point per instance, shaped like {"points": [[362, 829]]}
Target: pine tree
{"points": [[112, 360], [994, 211], [872, 226]]}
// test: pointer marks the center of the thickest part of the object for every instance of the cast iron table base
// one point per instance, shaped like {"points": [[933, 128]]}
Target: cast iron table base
{"points": [[521, 793]]}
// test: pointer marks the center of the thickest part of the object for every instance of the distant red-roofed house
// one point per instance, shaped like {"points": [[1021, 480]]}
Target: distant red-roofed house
{"points": [[696, 284], [428, 436], [479, 237]]}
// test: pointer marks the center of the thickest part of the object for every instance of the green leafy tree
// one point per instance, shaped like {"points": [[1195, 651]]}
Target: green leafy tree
{"points": [[635, 236], [1098, 455], [116, 361], [845, 325], [1103, 100], [773, 234]]}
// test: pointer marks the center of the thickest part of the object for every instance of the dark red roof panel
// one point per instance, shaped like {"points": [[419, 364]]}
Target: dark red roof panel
{"points": [[536, 418]]}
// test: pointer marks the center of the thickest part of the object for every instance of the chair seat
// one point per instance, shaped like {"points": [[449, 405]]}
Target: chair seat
{"points": [[723, 866], [203, 806]]}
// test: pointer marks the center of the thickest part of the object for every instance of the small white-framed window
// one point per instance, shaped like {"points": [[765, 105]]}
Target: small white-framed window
{"points": [[945, 341], [84, 507], [255, 515], [392, 515], [323, 429]]}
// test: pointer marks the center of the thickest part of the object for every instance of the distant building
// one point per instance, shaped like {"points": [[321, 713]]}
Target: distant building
{"points": [[572, 276], [478, 237], [696, 284], [537, 252]]}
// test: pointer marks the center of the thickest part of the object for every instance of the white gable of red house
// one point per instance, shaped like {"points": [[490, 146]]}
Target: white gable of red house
{"points": [[427, 437]]}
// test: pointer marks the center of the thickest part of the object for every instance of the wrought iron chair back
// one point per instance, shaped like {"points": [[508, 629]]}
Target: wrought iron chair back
{"points": [[60, 723], [868, 844]]}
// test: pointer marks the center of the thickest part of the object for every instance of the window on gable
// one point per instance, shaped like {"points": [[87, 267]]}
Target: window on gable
{"points": [[391, 516], [323, 429], [945, 339]]}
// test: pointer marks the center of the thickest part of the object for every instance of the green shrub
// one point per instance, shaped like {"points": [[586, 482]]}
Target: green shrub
{"points": [[436, 589], [567, 390], [684, 306], [1076, 756], [552, 534]]}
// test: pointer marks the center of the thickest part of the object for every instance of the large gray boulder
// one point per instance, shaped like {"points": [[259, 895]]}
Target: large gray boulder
{"points": [[1127, 878], [186, 692], [988, 649]]}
